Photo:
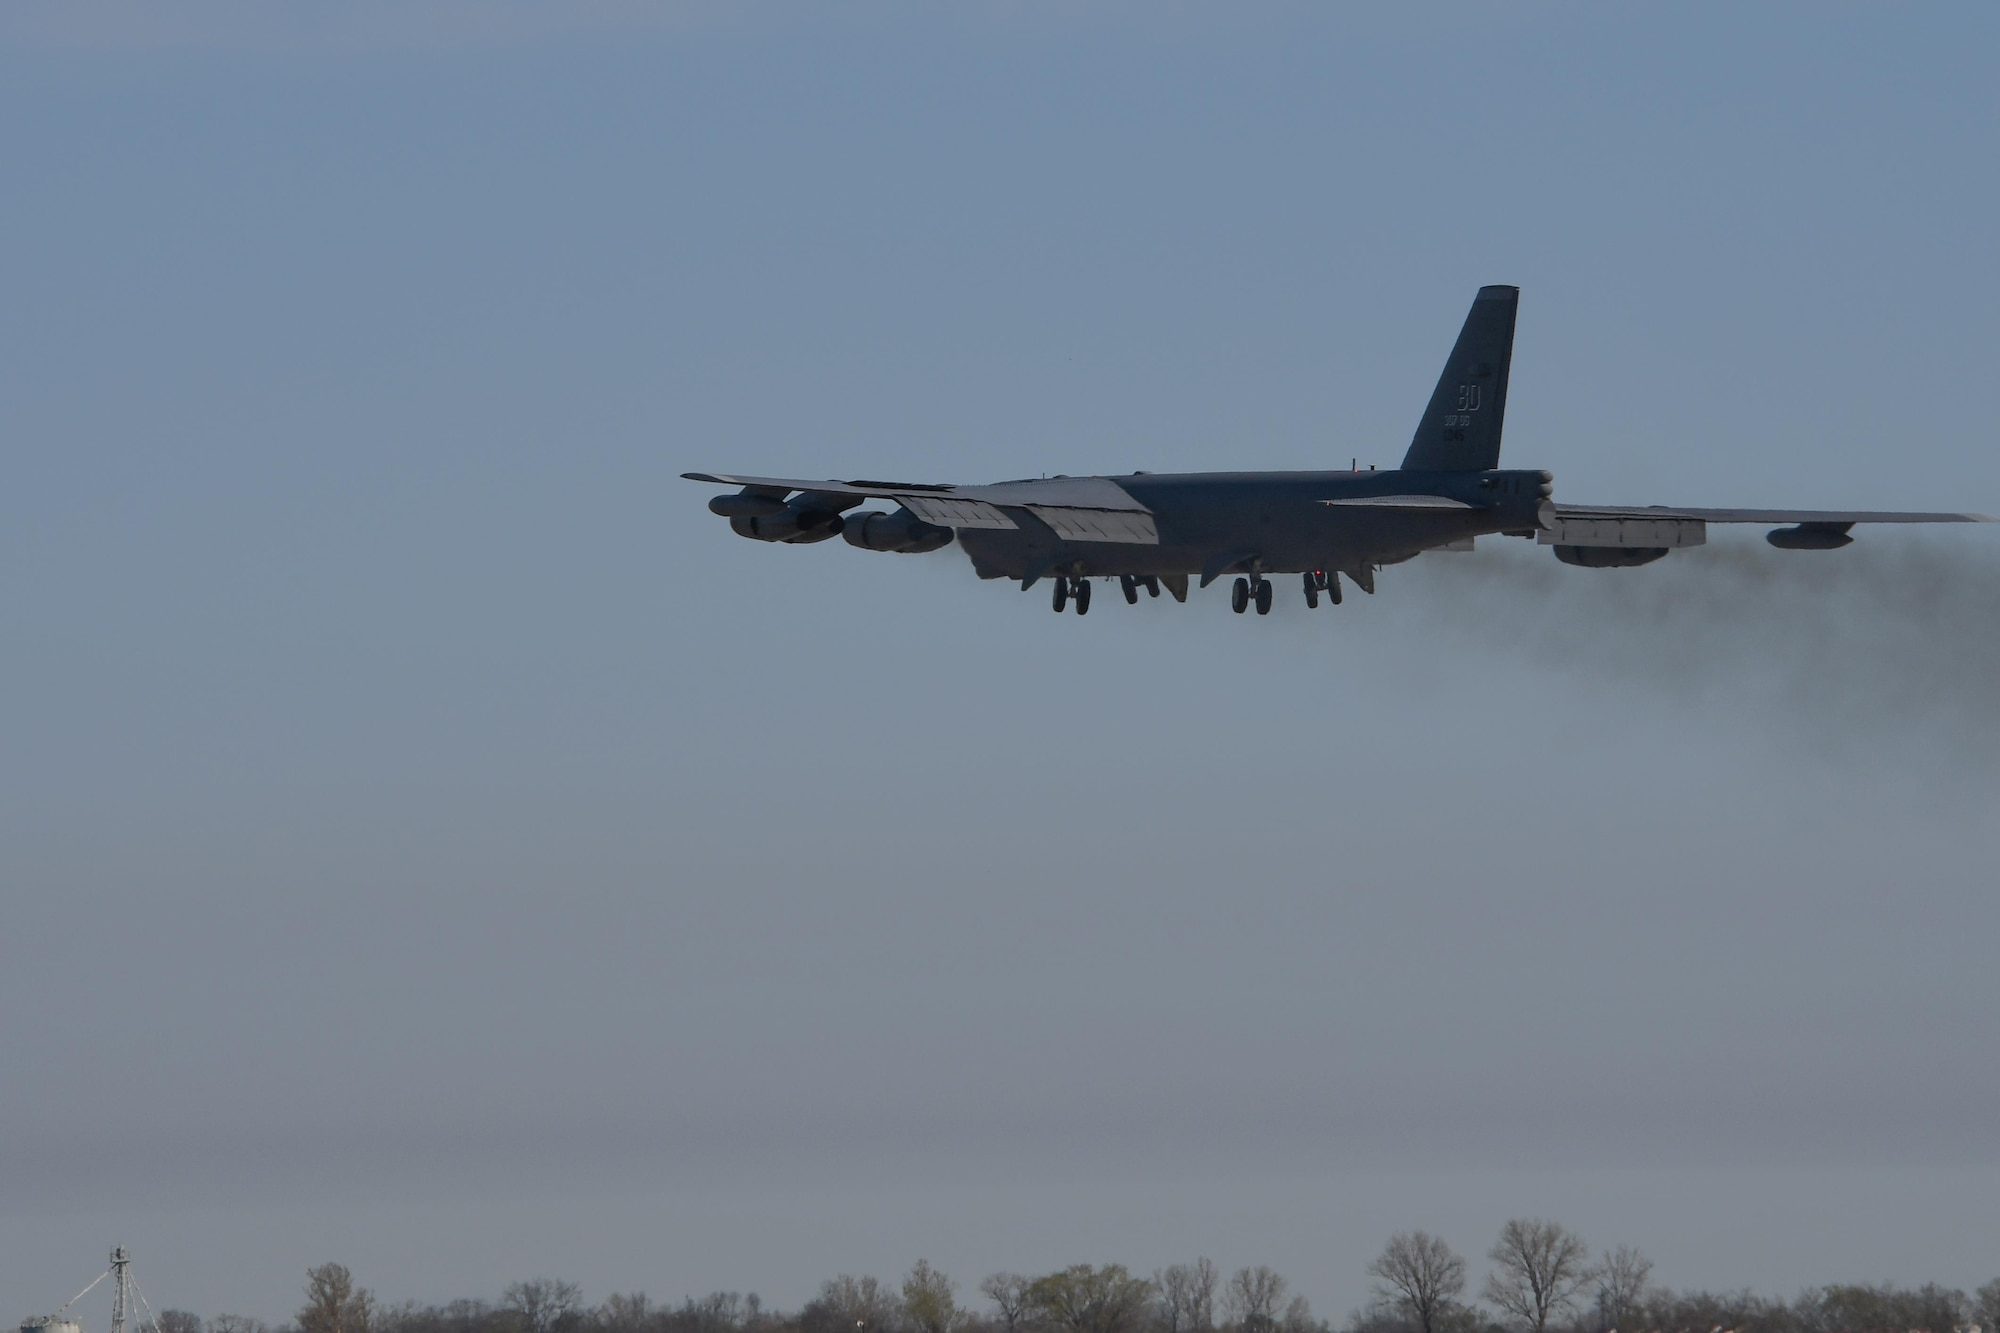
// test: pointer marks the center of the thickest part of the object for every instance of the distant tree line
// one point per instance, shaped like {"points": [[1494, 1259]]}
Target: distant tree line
{"points": [[1542, 1279]]}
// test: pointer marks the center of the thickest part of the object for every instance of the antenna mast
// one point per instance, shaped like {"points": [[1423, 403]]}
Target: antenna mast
{"points": [[121, 1288]]}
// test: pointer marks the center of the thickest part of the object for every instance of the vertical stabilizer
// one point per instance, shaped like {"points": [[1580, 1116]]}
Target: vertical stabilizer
{"points": [[1460, 431]]}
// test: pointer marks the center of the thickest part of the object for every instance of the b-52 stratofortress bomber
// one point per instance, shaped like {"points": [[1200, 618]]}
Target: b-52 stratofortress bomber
{"points": [[1154, 530]]}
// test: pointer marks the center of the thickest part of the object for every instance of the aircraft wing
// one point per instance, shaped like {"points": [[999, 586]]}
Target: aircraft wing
{"points": [[1078, 508], [1663, 527], [1791, 516]]}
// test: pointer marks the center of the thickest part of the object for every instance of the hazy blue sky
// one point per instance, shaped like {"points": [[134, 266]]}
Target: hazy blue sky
{"points": [[429, 840]]}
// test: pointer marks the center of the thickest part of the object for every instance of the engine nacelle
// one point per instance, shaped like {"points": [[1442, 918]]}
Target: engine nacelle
{"points": [[762, 514], [748, 503], [1609, 557], [1810, 537], [795, 526], [901, 531]]}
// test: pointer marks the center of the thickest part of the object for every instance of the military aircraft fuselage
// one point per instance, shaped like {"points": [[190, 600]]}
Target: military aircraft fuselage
{"points": [[1278, 522], [1166, 529]]}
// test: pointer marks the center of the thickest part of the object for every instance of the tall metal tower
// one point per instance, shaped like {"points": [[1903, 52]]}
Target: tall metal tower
{"points": [[121, 1288]]}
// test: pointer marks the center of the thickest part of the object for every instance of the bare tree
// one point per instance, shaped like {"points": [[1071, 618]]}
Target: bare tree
{"points": [[1298, 1317], [237, 1323], [1699, 1310], [178, 1321], [333, 1303], [1861, 1306], [406, 1317], [1009, 1294], [930, 1302], [1538, 1268], [545, 1304], [1206, 1278], [1253, 1297], [1418, 1274], [721, 1310], [1170, 1298], [623, 1313], [859, 1305], [1621, 1286], [1083, 1299], [1187, 1296], [1986, 1306]]}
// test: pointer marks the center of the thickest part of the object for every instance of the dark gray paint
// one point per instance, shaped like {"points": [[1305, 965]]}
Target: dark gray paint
{"points": [[1449, 490]]}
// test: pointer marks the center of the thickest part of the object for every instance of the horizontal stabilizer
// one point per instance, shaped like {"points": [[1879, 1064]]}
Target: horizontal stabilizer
{"points": [[1401, 502]]}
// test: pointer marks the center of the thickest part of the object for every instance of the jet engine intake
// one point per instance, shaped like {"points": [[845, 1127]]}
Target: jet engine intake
{"points": [[901, 531]]}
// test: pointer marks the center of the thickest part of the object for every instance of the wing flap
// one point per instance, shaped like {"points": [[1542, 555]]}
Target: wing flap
{"points": [[950, 512], [1099, 525], [1649, 530]]}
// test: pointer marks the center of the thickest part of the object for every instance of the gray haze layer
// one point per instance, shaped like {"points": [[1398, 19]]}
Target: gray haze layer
{"points": [[429, 840], [1889, 654]]}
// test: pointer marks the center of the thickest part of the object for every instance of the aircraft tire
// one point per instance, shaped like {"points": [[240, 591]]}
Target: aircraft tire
{"points": [[1131, 587], [1082, 596], [1263, 597], [1060, 599], [1239, 596], [1312, 591], [1152, 582]]}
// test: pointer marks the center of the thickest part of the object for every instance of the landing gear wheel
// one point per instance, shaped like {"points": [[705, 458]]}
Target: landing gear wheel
{"points": [[1239, 596], [1082, 594], [1131, 587], [1263, 597], [1312, 590], [1333, 586], [1152, 582], [1061, 598]]}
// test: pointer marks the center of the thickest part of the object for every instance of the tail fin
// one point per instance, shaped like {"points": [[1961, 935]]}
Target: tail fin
{"points": [[1460, 431]]}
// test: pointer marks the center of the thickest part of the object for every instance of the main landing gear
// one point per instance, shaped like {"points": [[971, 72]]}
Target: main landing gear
{"points": [[1067, 590], [1077, 590], [1131, 583], [1244, 593], [1319, 581]]}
